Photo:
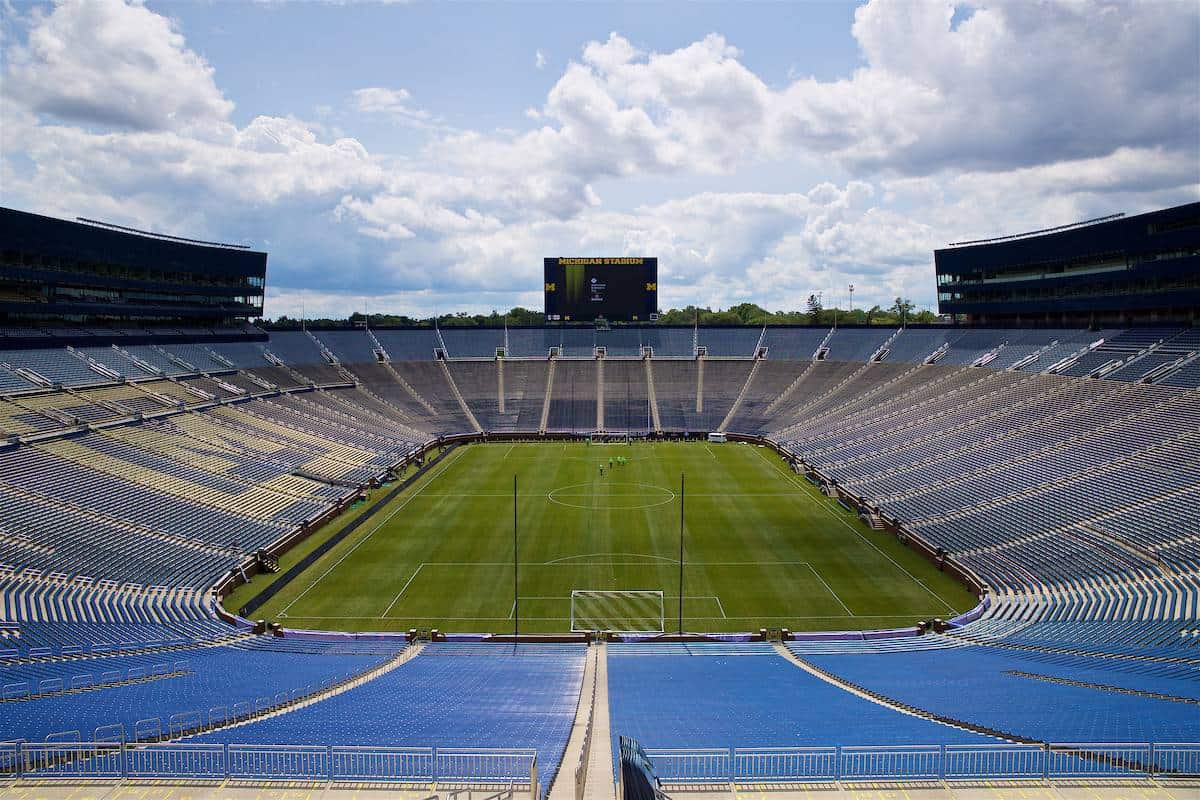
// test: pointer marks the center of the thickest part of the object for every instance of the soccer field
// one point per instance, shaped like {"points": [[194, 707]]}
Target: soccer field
{"points": [[762, 547]]}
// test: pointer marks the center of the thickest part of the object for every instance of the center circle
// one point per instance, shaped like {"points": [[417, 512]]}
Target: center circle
{"points": [[645, 496]]}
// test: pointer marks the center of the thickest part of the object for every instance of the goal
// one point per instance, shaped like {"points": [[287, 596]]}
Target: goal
{"points": [[619, 611], [608, 438]]}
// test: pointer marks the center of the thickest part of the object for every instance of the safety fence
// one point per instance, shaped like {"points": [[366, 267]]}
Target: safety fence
{"points": [[254, 762], [47, 687], [925, 762]]}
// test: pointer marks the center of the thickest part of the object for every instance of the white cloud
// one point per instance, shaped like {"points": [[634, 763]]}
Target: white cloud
{"points": [[112, 63], [539, 60], [394, 103], [1011, 120]]}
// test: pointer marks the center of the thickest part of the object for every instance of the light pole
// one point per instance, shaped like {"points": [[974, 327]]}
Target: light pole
{"points": [[851, 288]]}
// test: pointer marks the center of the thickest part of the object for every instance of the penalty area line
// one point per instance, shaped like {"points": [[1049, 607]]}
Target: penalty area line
{"points": [[372, 532], [402, 590], [852, 529], [830, 590]]}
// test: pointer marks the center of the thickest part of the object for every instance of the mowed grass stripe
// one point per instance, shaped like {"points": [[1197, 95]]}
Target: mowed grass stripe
{"points": [[387, 513], [765, 549], [810, 489]]}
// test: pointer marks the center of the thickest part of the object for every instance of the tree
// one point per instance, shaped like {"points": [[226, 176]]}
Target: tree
{"points": [[814, 309], [750, 314], [902, 308]]}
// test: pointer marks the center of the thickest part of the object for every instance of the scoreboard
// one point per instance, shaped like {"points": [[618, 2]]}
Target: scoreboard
{"points": [[623, 288]]}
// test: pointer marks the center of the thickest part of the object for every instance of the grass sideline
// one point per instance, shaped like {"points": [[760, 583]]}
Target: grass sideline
{"points": [[762, 547]]}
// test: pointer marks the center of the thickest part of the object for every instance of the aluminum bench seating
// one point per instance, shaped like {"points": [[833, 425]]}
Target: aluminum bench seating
{"points": [[621, 342], [200, 682], [533, 342], [125, 460], [241, 354], [675, 389], [278, 422], [295, 348], [723, 381], [316, 417], [428, 379], [858, 344], [129, 396], [914, 345], [729, 342], [770, 380], [626, 397], [479, 383], [11, 381], [410, 345], [524, 395], [669, 342], [450, 695], [351, 347], [277, 443], [54, 364], [998, 689], [573, 397], [793, 344], [196, 355], [696, 696], [472, 343], [34, 470], [577, 343], [357, 411]]}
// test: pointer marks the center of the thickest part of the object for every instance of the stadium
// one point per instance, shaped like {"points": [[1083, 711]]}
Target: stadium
{"points": [[557, 560]]}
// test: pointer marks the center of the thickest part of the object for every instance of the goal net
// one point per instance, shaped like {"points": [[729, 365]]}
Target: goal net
{"points": [[608, 438], [619, 611]]}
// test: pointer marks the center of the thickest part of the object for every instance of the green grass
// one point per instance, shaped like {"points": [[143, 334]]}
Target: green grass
{"points": [[763, 547]]}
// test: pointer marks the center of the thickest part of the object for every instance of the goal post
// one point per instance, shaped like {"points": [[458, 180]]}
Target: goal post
{"points": [[617, 610]]}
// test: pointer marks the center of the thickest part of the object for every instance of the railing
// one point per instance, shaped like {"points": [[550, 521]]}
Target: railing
{"points": [[899, 762], [403, 764], [74, 760], [926, 763], [766, 764], [1099, 760], [482, 764], [974, 761], [710, 765], [1176, 759], [177, 761]]}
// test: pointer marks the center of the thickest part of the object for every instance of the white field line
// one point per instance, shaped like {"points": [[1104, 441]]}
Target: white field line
{"points": [[509, 450], [420, 567], [852, 529], [903, 617], [830, 590], [536, 494], [379, 525], [710, 452], [595, 555]]}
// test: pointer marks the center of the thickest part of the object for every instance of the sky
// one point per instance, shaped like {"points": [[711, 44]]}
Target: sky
{"points": [[422, 159]]}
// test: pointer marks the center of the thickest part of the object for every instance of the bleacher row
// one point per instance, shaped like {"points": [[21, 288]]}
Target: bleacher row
{"points": [[1163, 355], [128, 490]]}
